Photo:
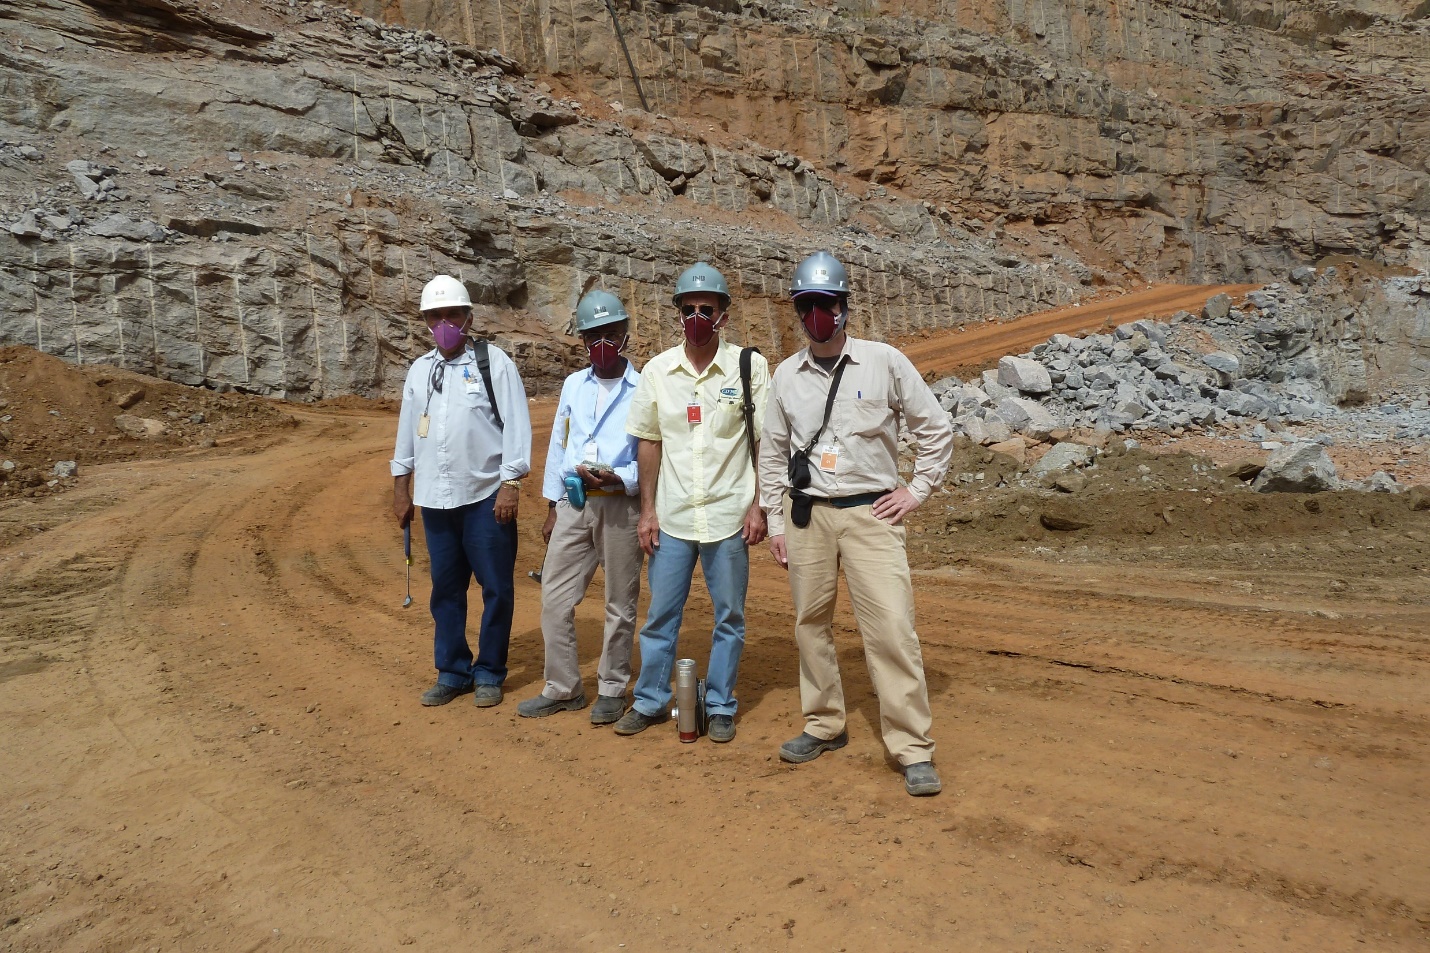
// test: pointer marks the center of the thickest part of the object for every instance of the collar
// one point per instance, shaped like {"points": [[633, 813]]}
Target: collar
{"points": [[466, 357], [721, 353], [806, 357], [631, 375]]}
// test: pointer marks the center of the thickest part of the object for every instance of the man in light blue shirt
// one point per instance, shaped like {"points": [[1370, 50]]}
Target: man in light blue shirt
{"points": [[465, 433], [591, 486]]}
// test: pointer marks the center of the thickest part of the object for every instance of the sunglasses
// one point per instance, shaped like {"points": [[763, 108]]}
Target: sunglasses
{"points": [[808, 302], [704, 310]]}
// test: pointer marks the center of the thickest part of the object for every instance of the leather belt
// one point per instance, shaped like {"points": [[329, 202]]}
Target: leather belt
{"points": [[844, 502]]}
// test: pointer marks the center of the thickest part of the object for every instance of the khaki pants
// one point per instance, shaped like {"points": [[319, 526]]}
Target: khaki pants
{"points": [[603, 533], [876, 568]]}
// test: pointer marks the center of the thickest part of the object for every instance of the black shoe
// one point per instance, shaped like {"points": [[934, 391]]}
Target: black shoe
{"points": [[722, 728], [440, 694], [487, 696], [921, 779], [634, 722], [807, 747], [541, 706], [608, 708]]}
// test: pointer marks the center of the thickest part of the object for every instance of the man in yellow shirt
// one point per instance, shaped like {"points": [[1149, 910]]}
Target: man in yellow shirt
{"points": [[699, 498]]}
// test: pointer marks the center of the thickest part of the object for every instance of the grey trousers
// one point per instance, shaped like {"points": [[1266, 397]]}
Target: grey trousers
{"points": [[601, 534]]}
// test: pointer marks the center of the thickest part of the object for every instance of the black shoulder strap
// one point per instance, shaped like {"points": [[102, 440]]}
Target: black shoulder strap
{"points": [[484, 366], [749, 405], [828, 404]]}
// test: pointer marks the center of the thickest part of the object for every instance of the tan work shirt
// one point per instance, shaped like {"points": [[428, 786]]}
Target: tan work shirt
{"points": [[707, 480], [858, 451]]}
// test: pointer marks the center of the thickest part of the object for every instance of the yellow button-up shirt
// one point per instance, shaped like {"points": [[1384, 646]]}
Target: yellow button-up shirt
{"points": [[707, 480]]}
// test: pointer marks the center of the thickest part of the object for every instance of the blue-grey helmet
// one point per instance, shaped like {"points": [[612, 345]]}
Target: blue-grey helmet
{"points": [[702, 277], [598, 308], [820, 272]]}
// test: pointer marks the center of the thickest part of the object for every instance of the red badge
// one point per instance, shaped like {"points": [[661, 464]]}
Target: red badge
{"points": [[692, 413]]}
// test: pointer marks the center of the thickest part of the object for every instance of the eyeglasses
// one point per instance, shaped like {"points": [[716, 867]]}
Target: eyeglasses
{"points": [[806, 303], [704, 310]]}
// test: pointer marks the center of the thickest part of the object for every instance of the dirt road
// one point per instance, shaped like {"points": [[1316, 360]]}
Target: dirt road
{"points": [[213, 742], [945, 353]]}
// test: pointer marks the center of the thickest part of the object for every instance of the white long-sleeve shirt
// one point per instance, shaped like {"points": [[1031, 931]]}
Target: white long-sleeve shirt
{"points": [[464, 457], [580, 433]]}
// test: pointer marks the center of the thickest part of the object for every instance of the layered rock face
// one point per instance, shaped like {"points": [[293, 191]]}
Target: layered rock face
{"points": [[252, 194], [1183, 140], [258, 205]]}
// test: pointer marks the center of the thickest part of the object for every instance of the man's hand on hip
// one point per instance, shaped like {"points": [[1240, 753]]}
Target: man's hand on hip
{"points": [[893, 506]]}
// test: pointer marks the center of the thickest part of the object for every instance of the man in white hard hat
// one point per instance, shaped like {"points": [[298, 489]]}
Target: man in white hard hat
{"points": [[698, 497], [592, 518], [463, 445], [829, 481]]}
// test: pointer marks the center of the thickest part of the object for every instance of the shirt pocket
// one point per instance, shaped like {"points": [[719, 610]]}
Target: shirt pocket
{"points": [[871, 418], [726, 419]]}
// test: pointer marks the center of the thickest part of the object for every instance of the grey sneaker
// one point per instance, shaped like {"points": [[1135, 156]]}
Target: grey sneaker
{"points": [[722, 728], [634, 722], [541, 706], [487, 696], [607, 709], [921, 779], [807, 747], [440, 694]]}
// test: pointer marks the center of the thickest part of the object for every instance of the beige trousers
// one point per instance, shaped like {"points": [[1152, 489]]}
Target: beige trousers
{"points": [[604, 534], [876, 569]]}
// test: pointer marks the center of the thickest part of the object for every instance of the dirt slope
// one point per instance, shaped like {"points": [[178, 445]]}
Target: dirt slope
{"points": [[213, 742], [948, 351]]}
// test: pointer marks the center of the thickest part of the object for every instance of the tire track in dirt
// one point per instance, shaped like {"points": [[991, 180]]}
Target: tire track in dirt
{"points": [[281, 776]]}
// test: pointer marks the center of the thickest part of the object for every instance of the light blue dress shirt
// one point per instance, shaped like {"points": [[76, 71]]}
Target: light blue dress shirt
{"points": [[577, 426], [464, 457]]}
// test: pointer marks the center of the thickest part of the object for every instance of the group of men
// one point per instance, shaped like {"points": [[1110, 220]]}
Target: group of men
{"points": [[696, 458]]}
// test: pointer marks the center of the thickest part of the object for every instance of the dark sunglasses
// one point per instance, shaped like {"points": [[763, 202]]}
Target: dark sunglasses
{"points": [[704, 310], [806, 303]]}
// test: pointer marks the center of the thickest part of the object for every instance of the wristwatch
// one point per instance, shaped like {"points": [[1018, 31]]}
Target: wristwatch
{"points": [[511, 484]]}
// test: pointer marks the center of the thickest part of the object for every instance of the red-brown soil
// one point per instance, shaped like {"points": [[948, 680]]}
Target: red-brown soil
{"points": [[1210, 735], [942, 353]]}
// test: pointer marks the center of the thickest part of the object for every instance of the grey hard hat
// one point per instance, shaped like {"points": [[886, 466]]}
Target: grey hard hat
{"points": [[598, 308], [820, 272], [701, 277]]}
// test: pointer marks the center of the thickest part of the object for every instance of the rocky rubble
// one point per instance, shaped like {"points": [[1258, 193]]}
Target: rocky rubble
{"points": [[1293, 369]]}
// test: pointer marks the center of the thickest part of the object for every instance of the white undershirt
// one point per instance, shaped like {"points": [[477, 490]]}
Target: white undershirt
{"points": [[603, 396]]}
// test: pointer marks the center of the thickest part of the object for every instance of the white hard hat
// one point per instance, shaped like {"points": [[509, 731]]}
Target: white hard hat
{"points": [[445, 292]]}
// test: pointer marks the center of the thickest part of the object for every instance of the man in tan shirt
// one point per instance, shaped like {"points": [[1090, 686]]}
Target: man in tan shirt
{"points": [[849, 513]]}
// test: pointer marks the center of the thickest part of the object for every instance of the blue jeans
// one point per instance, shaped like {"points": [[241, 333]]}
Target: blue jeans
{"points": [[726, 565], [463, 542]]}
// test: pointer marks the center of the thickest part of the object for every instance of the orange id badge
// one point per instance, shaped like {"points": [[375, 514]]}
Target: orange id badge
{"points": [[829, 458]]}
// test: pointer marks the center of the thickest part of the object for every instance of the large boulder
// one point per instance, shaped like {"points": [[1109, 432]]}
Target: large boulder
{"points": [[1064, 456], [1027, 416], [1024, 375], [1297, 468]]}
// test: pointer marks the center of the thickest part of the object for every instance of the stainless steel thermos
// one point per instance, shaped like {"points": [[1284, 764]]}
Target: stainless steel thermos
{"points": [[686, 701]]}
